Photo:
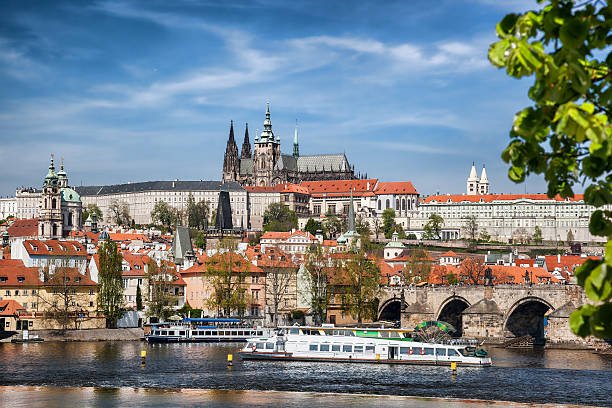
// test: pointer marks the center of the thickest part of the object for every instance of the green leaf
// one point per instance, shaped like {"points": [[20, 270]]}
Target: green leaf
{"points": [[598, 286], [516, 174], [599, 224], [608, 253], [579, 320], [600, 321], [573, 33], [506, 25], [528, 59], [497, 53], [584, 270]]}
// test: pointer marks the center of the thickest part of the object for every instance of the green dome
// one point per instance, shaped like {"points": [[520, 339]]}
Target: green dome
{"points": [[70, 195]]}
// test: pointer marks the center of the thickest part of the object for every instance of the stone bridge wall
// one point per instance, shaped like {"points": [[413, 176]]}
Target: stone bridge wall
{"points": [[488, 308]]}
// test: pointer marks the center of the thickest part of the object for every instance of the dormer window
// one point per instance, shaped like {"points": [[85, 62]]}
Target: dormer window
{"points": [[78, 249], [64, 249], [20, 279], [34, 248], [77, 279], [137, 266], [3, 278]]}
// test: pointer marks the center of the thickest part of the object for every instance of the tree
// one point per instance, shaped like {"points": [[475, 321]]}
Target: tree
{"points": [[377, 226], [227, 271], [161, 299], [278, 217], [280, 275], [110, 285], [472, 270], [401, 234], [433, 227], [520, 235], [411, 236], [312, 226], [537, 235], [418, 268], [255, 238], [317, 275], [361, 226], [362, 280], [332, 226], [197, 213], [485, 236], [139, 305], [120, 212], [92, 210], [452, 279], [388, 222], [470, 229], [162, 214], [200, 240], [566, 133]]}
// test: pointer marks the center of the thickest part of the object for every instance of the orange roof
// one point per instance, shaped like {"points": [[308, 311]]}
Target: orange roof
{"points": [[17, 274], [275, 235], [395, 187], [494, 197], [69, 277], [120, 236], [341, 188], [330, 242], [24, 228], [568, 262], [272, 257], [240, 264], [54, 247], [451, 254], [279, 188], [10, 308]]}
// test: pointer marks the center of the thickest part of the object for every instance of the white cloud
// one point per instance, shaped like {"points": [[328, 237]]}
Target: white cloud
{"points": [[16, 64]]}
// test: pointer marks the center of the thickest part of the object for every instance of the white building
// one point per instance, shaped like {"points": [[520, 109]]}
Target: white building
{"points": [[476, 186], [27, 202], [8, 206]]}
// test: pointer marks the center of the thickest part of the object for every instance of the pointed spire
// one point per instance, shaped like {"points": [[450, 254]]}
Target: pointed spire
{"points": [[483, 176], [267, 135], [231, 135], [51, 178], [473, 176], [351, 214], [296, 146], [231, 161], [246, 145]]}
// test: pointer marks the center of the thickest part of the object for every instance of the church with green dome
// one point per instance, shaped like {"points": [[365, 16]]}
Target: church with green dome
{"points": [[61, 208]]}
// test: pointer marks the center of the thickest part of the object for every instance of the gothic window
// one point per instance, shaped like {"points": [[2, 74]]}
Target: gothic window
{"points": [[404, 204], [69, 219], [387, 206], [54, 226], [397, 204], [379, 204], [53, 203], [42, 229], [46, 205]]}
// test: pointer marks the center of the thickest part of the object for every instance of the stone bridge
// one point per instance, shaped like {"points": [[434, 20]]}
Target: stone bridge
{"points": [[500, 311]]}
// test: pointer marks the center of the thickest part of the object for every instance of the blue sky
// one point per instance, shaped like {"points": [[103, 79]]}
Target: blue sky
{"points": [[136, 91]]}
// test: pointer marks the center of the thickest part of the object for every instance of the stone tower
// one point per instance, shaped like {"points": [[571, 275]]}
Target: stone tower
{"points": [[472, 182], [483, 184], [50, 216], [246, 145], [231, 161], [267, 152]]}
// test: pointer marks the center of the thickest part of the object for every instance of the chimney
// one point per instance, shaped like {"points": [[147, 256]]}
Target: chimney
{"points": [[558, 258], [368, 185]]}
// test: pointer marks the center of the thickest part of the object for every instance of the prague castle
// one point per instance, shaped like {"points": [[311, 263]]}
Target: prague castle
{"points": [[267, 166]]}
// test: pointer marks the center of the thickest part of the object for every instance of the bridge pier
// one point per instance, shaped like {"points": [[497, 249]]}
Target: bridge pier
{"points": [[483, 319]]}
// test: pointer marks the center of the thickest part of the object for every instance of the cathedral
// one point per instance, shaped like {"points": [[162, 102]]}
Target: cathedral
{"points": [[475, 185], [267, 166]]}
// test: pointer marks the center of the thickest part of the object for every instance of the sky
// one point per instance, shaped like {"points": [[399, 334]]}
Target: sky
{"points": [[129, 91]]}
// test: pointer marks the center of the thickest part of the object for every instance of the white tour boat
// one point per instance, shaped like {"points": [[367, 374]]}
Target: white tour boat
{"points": [[205, 330], [361, 345]]}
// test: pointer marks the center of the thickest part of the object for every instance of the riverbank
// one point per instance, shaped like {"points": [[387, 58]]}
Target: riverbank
{"points": [[15, 396], [125, 334]]}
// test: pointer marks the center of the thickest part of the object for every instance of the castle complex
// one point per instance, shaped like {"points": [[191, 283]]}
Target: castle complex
{"points": [[267, 166]]}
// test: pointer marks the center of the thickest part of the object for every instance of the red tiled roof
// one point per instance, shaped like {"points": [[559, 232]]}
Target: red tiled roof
{"points": [[275, 235], [451, 254], [10, 308], [568, 262], [330, 242], [54, 247], [395, 187], [264, 259], [12, 269], [24, 228], [495, 197], [341, 188], [120, 236], [284, 188]]}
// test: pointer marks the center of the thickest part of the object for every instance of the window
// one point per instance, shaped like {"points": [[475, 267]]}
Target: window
{"points": [[404, 350], [261, 346], [34, 304], [7, 293], [347, 348], [369, 349], [440, 352], [269, 346], [429, 351], [452, 353], [91, 291], [324, 347], [358, 349], [91, 304], [25, 305], [314, 347], [20, 279], [17, 293], [335, 347]]}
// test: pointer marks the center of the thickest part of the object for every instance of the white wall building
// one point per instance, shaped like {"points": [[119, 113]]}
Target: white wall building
{"points": [[8, 206]]}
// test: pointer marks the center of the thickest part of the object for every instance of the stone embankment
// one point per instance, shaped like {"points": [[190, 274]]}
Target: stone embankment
{"points": [[128, 334]]}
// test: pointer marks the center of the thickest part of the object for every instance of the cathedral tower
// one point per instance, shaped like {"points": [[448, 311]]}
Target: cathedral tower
{"points": [[296, 146], [472, 182], [266, 154], [231, 161], [246, 145], [483, 184], [50, 218]]}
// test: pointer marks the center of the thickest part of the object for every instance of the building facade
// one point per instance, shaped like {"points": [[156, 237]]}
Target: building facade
{"points": [[268, 166]]}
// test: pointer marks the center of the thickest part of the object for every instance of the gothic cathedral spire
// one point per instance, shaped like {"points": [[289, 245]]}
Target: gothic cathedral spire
{"points": [[246, 145], [231, 161], [296, 146]]}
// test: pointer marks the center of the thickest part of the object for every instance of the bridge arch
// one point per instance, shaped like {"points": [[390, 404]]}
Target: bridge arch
{"points": [[390, 310], [526, 316], [450, 311]]}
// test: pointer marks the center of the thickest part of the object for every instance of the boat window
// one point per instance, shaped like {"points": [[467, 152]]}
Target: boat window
{"points": [[394, 335], [347, 348], [171, 333], [214, 333], [358, 349], [349, 333], [429, 351], [234, 333], [313, 347], [164, 333], [451, 353], [440, 352], [369, 349], [463, 352], [404, 350], [384, 334], [270, 346], [335, 347], [182, 332], [324, 347], [260, 333], [250, 345], [207, 333], [261, 346], [294, 331]]}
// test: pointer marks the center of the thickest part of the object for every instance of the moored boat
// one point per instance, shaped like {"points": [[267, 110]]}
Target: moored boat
{"points": [[361, 345], [205, 330]]}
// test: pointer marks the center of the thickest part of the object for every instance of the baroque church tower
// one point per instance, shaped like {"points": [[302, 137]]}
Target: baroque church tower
{"points": [[50, 218], [231, 161], [267, 152]]}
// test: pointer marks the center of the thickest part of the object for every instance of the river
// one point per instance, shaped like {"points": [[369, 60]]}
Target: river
{"points": [[110, 374]]}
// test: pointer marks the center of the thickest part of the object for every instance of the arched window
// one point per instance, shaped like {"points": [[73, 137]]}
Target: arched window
{"points": [[387, 203], [46, 204], [42, 229], [54, 228], [403, 204], [379, 204], [397, 207], [53, 203]]}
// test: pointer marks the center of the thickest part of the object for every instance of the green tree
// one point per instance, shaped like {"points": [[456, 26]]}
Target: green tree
{"points": [[200, 240], [362, 285], [119, 212], [452, 279], [470, 230], [485, 236], [332, 226], [361, 226], [110, 286], [312, 226], [161, 297], [93, 210], [162, 214], [318, 278], [139, 305], [566, 133], [278, 217], [433, 227], [197, 213], [537, 235], [411, 236], [388, 222], [401, 234], [419, 266]]}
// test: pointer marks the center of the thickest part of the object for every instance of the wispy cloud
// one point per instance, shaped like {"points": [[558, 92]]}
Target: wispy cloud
{"points": [[17, 64]]}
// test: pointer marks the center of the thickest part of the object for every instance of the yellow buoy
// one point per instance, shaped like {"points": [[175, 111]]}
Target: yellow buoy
{"points": [[143, 357], [454, 367], [143, 353], [229, 359]]}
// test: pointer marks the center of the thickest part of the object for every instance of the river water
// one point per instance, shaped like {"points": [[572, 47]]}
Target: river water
{"points": [[110, 374]]}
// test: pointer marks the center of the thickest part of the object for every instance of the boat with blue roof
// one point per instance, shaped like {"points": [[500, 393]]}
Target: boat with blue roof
{"points": [[191, 330]]}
